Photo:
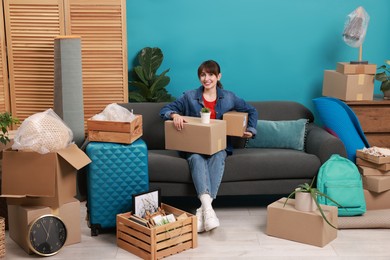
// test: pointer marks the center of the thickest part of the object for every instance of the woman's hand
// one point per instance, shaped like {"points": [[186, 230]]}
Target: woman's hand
{"points": [[178, 121], [247, 135]]}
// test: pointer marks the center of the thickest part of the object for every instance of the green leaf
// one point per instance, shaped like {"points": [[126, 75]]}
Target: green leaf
{"points": [[140, 74], [150, 60], [313, 195], [135, 96], [381, 76]]}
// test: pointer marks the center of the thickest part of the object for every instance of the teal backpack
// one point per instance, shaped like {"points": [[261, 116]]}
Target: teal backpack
{"points": [[339, 178]]}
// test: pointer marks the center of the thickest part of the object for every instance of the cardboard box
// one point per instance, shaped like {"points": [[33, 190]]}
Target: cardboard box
{"points": [[376, 183], [20, 218], [196, 137], [376, 200], [160, 241], [289, 223], [348, 87], [115, 132], [11, 135], [367, 171], [236, 123], [372, 158], [48, 178], [382, 167], [347, 68]]}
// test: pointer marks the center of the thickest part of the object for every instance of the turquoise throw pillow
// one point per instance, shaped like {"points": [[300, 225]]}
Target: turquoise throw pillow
{"points": [[288, 134]]}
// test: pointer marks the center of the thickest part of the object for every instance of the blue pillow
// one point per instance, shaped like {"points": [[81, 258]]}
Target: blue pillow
{"points": [[288, 134]]}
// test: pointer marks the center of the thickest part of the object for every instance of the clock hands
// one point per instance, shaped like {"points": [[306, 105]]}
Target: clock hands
{"points": [[48, 232], [43, 225]]}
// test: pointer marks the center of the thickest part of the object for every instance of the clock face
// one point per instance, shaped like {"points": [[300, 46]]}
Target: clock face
{"points": [[47, 235]]}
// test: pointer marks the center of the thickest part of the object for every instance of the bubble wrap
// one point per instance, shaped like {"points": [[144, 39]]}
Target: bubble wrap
{"points": [[43, 133], [115, 112]]}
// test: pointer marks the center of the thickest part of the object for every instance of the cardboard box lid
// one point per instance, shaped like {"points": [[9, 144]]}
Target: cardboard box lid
{"points": [[74, 156]]}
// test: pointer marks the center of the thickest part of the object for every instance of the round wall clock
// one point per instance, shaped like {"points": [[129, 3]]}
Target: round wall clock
{"points": [[47, 235]]}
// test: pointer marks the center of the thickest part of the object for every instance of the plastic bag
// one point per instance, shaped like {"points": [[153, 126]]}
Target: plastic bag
{"points": [[355, 27], [115, 112], [43, 133]]}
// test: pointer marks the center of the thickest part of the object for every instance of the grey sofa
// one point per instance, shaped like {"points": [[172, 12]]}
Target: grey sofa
{"points": [[249, 171]]}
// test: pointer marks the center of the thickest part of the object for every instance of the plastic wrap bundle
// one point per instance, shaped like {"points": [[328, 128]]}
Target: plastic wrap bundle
{"points": [[114, 112], [355, 27], [43, 133]]}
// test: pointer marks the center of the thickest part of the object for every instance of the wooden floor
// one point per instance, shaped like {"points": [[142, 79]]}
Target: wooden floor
{"points": [[240, 236]]}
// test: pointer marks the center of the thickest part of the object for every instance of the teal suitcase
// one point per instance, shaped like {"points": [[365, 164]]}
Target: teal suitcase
{"points": [[117, 171]]}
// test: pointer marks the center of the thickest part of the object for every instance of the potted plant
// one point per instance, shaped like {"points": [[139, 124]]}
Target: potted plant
{"points": [[384, 76], [147, 85], [312, 193], [6, 121], [205, 115]]}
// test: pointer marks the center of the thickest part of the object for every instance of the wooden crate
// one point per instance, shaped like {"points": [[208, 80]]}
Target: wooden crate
{"points": [[159, 241], [115, 132], [372, 158]]}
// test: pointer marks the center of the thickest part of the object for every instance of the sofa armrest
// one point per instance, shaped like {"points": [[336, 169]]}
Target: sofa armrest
{"points": [[322, 144]]}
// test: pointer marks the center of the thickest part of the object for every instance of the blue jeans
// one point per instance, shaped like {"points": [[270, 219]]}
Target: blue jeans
{"points": [[207, 172]]}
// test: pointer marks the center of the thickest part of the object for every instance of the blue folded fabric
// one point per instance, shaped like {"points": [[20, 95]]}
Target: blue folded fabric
{"points": [[340, 119]]}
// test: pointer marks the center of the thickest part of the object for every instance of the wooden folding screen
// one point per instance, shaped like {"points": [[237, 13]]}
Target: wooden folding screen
{"points": [[31, 26], [4, 90], [102, 27]]}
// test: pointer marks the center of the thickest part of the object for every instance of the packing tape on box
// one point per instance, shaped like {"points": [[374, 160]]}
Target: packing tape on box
{"points": [[359, 96], [361, 79]]}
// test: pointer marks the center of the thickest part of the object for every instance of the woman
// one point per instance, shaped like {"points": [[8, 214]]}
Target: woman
{"points": [[207, 170]]}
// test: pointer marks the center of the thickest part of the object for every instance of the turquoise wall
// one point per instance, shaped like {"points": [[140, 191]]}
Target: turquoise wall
{"points": [[268, 50]]}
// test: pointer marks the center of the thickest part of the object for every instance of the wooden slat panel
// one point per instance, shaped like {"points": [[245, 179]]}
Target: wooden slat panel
{"points": [[102, 27], [4, 88], [31, 26]]}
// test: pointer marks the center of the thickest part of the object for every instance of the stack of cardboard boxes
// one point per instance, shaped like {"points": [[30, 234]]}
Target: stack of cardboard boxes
{"points": [[350, 82], [375, 172], [39, 184]]}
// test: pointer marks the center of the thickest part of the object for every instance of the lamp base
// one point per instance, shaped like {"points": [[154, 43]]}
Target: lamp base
{"points": [[358, 62]]}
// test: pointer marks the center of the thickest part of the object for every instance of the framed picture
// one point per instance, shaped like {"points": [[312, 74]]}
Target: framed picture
{"points": [[148, 201]]}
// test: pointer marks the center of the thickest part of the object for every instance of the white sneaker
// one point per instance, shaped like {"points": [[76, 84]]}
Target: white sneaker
{"points": [[210, 219], [199, 216]]}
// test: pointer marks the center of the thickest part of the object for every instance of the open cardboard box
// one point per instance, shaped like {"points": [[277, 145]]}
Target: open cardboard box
{"points": [[31, 178], [21, 216], [196, 137]]}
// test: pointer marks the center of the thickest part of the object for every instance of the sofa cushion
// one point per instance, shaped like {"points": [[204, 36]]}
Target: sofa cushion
{"points": [[168, 166], [288, 134], [268, 164]]}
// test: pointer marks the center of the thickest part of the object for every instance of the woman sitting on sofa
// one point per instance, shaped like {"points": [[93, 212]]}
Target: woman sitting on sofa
{"points": [[207, 170]]}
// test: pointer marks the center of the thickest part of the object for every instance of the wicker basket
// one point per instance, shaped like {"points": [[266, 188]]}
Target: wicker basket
{"points": [[2, 237]]}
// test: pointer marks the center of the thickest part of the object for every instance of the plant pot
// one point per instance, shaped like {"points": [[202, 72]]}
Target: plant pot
{"points": [[304, 202], [205, 117], [386, 94]]}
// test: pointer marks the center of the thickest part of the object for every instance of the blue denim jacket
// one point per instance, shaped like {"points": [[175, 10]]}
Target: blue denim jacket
{"points": [[191, 102]]}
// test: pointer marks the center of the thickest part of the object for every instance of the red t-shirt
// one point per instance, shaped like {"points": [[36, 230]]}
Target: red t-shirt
{"points": [[211, 106]]}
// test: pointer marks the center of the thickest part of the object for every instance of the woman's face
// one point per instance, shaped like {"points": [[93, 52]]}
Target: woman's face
{"points": [[209, 80]]}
